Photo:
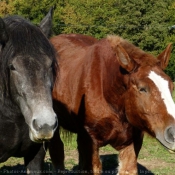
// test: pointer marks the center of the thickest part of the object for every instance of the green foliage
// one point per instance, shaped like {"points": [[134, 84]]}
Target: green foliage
{"points": [[34, 10], [6, 7], [146, 23], [86, 17]]}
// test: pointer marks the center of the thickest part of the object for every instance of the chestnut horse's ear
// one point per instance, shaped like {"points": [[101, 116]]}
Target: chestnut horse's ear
{"points": [[123, 58], [164, 57]]}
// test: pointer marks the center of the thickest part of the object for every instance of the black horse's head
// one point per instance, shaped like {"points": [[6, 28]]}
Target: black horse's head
{"points": [[27, 62]]}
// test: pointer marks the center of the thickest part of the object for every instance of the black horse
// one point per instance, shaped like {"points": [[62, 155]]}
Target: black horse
{"points": [[27, 66]]}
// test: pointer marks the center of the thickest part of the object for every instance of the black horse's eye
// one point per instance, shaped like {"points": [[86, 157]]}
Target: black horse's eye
{"points": [[142, 89], [11, 67]]}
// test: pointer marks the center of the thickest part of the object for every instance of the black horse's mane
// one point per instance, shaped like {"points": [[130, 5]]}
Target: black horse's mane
{"points": [[24, 38]]}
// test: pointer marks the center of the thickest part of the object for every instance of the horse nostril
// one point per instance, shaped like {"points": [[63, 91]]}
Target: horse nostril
{"points": [[35, 125], [170, 134]]}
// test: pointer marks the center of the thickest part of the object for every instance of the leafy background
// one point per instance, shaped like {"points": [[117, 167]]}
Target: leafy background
{"points": [[146, 23]]}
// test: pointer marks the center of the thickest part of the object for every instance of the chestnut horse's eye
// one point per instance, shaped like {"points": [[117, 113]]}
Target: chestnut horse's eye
{"points": [[11, 67], [142, 89]]}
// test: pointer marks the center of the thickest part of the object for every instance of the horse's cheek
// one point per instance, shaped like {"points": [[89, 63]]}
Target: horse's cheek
{"points": [[136, 106]]}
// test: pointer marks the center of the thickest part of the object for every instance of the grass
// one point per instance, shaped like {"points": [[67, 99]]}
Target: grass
{"points": [[153, 159], [156, 158]]}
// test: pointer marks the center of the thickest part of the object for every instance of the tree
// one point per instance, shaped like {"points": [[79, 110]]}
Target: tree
{"points": [[146, 23], [6, 7], [94, 18]]}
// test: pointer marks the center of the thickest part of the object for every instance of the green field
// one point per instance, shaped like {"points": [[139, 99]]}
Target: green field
{"points": [[153, 159]]}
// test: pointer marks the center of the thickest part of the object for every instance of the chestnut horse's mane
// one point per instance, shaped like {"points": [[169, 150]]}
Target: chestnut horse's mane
{"points": [[135, 53]]}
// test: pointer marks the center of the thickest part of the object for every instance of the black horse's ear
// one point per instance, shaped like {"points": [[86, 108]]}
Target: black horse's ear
{"points": [[46, 23], [3, 34]]}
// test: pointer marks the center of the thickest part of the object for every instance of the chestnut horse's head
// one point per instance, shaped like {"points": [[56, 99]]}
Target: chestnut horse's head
{"points": [[148, 102]]}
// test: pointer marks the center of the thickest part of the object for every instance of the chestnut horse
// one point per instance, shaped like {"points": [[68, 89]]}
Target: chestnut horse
{"points": [[110, 92]]}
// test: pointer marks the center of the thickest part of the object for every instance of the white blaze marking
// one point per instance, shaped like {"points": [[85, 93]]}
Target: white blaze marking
{"points": [[163, 87]]}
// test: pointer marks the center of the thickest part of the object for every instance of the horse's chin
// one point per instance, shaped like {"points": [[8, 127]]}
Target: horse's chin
{"points": [[34, 138], [170, 151]]}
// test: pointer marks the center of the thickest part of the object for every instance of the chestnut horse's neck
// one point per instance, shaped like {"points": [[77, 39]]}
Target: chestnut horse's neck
{"points": [[103, 71]]}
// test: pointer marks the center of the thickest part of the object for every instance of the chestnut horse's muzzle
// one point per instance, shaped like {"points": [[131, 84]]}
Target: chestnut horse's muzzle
{"points": [[168, 138], [170, 134]]}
